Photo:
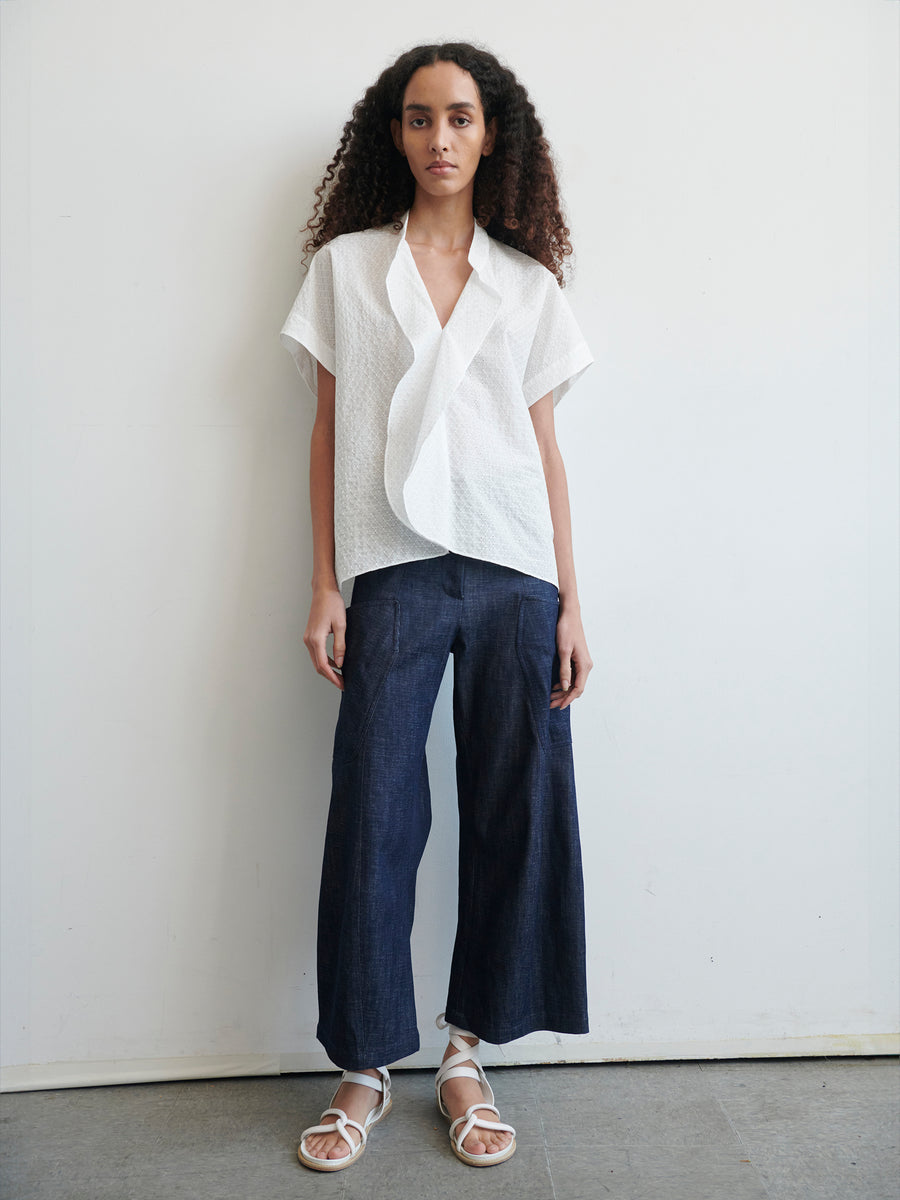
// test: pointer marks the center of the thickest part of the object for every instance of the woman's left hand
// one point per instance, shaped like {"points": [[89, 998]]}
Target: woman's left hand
{"points": [[575, 662]]}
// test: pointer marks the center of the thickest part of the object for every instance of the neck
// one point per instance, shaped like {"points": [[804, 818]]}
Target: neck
{"points": [[445, 222]]}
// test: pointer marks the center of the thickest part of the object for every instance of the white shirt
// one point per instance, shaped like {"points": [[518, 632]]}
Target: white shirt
{"points": [[434, 447]]}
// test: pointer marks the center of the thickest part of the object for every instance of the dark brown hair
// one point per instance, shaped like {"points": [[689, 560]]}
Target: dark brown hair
{"points": [[368, 183]]}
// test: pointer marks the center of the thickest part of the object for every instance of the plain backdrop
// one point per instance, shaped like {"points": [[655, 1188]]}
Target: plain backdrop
{"points": [[730, 179]]}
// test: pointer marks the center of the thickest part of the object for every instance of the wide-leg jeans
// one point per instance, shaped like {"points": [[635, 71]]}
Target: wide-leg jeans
{"points": [[518, 963]]}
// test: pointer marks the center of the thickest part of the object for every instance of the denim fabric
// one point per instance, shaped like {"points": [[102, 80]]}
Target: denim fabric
{"points": [[519, 958]]}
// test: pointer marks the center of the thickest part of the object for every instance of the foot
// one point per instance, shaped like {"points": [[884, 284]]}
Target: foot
{"points": [[460, 1094], [357, 1102]]}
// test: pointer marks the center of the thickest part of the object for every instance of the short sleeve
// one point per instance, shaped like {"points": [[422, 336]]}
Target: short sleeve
{"points": [[308, 332], [559, 353]]}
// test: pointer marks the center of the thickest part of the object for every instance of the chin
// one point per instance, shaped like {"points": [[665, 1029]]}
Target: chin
{"points": [[442, 187]]}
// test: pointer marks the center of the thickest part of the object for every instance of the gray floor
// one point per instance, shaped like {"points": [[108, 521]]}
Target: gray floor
{"points": [[774, 1129]]}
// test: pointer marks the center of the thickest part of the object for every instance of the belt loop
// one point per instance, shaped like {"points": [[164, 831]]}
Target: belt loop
{"points": [[454, 575]]}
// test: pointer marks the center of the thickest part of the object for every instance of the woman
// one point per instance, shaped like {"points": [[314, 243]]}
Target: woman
{"points": [[432, 329]]}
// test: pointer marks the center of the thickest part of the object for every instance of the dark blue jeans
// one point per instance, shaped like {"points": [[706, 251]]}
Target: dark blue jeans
{"points": [[519, 958]]}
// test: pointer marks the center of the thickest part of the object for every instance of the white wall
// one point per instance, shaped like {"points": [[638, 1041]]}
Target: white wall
{"points": [[730, 176]]}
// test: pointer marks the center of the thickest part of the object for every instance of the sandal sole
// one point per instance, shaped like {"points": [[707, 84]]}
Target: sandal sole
{"points": [[477, 1160]]}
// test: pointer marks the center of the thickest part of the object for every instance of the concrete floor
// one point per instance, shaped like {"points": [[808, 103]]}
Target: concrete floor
{"points": [[773, 1129]]}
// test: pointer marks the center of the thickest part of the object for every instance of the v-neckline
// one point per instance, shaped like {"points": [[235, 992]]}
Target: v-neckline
{"points": [[424, 285]]}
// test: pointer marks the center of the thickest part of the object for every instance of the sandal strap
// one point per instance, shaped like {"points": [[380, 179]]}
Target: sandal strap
{"points": [[472, 1122], [382, 1084], [452, 1067], [469, 1122], [464, 1050], [457, 1072], [364, 1080], [339, 1126], [474, 1108]]}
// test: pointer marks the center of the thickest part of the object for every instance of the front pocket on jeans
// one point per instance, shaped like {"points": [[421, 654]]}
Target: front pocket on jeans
{"points": [[536, 648], [372, 643], [536, 651]]}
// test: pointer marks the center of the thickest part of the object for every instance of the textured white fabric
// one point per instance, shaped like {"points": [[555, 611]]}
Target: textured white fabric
{"points": [[434, 446]]}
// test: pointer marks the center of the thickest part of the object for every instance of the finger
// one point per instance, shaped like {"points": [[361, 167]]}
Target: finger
{"points": [[327, 672], [336, 679], [578, 684], [339, 647], [309, 643], [320, 660], [565, 668], [317, 651], [561, 699], [558, 694]]}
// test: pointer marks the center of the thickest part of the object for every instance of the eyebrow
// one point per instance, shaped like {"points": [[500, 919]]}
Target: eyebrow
{"points": [[427, 107]]}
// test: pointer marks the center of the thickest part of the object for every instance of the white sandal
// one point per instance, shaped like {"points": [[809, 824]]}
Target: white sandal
{"points": [[463, 1126], [381, 1110]]}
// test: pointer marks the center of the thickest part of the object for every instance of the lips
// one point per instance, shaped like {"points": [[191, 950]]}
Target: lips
{"points": [[441, 168]]}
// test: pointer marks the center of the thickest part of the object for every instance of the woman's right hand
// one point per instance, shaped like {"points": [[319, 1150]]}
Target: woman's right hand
{"points": [[327, 614]]}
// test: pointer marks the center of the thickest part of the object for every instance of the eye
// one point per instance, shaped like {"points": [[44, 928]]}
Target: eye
{"points": [[462, 122], [417, 122]]}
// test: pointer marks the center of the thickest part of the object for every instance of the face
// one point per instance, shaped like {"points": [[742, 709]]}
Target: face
{"points": [[442, 131]]}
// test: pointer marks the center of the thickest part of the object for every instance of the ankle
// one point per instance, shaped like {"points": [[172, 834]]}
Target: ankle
{"points": [[471, 1042]]}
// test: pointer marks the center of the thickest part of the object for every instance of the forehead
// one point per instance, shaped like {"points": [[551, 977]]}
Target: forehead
{"points": [[441, 84]]}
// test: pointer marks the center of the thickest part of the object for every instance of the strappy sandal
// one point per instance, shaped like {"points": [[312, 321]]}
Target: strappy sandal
{"points": [[342, 1121], [460, 1129]]}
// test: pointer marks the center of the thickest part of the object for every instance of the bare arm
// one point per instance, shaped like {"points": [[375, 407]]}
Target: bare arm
{"points": [[327, 613], [570, 640]]}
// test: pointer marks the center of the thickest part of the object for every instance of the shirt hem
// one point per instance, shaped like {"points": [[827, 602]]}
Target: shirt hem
{"points": [[307, 348], [559, 377], [547, 576]]}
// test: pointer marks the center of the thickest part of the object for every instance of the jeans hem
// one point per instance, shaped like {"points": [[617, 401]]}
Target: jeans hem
{"points": [[368, 1057], [499, 1035]]}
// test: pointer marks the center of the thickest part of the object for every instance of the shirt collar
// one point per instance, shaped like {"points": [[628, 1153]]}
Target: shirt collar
{"points": [[479, 250]]}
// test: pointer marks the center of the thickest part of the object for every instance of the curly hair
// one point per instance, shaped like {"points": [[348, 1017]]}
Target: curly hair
{"points": [[368, 183]]}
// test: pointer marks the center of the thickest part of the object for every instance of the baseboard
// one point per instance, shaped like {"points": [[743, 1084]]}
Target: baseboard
{"points": [[42, 1076]]}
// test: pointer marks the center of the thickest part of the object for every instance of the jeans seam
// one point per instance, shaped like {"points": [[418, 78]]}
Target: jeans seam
{"points": [[539, 728], [463, 972]]}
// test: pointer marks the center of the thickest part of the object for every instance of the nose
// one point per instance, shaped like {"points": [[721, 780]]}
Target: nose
{"points": [[439, 137]]}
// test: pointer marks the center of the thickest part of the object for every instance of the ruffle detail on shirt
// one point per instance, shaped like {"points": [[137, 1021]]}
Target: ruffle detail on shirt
{"points": [[417, 471]]}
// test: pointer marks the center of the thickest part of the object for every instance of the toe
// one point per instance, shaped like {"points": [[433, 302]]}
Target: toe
{"points": [[487, 1141]]}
